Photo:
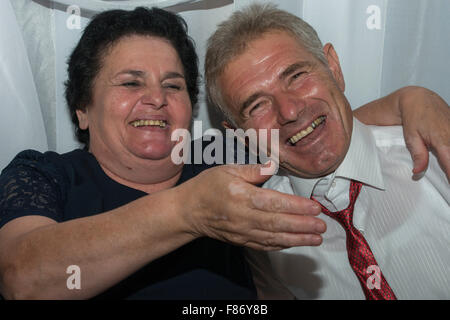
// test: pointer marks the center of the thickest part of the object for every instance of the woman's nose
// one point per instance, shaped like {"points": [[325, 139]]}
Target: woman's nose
{"points": [[155, 97]]}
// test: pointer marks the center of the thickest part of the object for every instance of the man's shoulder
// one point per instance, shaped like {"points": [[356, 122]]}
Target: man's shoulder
{"points": [[396, 158], [390, 148], [387, 136]]}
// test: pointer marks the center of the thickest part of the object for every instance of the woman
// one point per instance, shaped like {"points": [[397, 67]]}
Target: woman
{"points": [[121, 210]]}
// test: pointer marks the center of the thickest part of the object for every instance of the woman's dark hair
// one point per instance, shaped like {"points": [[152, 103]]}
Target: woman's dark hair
{"points": [[103, 32]]}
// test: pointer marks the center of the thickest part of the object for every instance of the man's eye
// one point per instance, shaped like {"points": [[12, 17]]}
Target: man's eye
{"points": [[255, 107], [259, 108], [298, 75]]}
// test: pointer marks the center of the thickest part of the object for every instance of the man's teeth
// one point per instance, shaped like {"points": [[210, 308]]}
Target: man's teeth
{"points": [[299, 136], [141, 123]]}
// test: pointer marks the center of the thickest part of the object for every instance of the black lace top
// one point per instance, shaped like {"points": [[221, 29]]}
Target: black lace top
{"points": [[73, 185]]}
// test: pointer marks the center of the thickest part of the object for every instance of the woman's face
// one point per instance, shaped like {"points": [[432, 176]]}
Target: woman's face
{"points": [[139, 98]]}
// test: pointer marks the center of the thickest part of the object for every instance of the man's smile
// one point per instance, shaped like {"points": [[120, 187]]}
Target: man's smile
{"points": [[305, 132]]}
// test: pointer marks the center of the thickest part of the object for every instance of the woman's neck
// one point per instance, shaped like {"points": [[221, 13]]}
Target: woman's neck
{"points": [[152, 186], [149, 176]]}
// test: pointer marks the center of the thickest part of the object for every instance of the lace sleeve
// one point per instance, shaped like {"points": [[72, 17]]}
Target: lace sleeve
{"points": [[30, 186]]}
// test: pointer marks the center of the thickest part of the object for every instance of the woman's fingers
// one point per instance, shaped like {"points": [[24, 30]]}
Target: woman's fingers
{"points": [[227, 206]]}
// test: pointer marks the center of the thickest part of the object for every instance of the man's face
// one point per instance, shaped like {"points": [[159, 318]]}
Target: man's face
{"points": [[277, 84]]}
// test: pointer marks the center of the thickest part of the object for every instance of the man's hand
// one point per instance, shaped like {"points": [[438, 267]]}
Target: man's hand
{"points": [[426, 126], [426, 123], [224, 203]]}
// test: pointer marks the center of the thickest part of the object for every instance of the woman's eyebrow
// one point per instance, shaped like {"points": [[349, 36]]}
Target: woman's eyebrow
{"points": [[136, 73], [142, 74], [172, 75]]}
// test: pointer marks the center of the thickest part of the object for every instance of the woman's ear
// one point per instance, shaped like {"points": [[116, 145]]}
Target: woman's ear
{"points": [[83, 119], [334, 65]]}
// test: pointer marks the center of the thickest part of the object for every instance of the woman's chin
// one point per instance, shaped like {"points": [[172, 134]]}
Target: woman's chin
{"points": [[154, 153]]}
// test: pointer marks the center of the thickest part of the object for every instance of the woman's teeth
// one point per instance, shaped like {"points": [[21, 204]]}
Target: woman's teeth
{"points": [[299, 136], [141, 123]]}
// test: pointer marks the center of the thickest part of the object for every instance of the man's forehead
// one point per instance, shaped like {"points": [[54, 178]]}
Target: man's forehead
{"points": [[274, 36], [271, 47], [266, 58]]}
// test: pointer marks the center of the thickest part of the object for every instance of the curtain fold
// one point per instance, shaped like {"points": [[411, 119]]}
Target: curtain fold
{"points": [[417, 46], [101, 5], [21, 121]]}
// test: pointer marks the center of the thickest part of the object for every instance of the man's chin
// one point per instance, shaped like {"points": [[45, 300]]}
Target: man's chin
{"points": [[311, 171]]}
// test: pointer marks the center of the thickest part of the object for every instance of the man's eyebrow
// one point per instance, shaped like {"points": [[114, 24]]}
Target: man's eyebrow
{"points": [[288, 71], [292, 68], [249, 101]]}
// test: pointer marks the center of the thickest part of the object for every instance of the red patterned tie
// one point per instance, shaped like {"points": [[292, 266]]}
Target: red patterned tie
{"points": [[360, 256]]}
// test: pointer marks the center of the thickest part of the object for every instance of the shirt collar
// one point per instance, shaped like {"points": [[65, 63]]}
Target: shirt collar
{"points": [[361, 163]]}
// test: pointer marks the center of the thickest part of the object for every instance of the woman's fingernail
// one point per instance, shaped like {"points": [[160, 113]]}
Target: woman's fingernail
{"points": [[320, 227], [316, 240], [316, 207]]}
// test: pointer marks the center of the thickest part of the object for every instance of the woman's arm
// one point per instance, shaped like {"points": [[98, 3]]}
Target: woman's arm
{"points": [[425, 118], [35, 251], [220, 203]]}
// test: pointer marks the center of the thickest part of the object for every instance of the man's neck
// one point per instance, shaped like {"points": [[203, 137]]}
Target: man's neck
{"points": [[360, 163]]}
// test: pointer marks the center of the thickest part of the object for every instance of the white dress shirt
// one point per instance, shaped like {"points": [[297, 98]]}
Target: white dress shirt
{"points": [[406, 223]]}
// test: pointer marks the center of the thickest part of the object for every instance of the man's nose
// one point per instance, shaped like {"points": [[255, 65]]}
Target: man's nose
{"points": [[289, 107], [155, 97]]}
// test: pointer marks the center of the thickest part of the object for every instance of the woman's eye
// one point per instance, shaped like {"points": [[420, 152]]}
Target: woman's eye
{"points": [[172, 86], [131, 84]]}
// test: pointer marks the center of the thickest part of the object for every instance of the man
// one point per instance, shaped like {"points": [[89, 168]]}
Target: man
{"points": [[387, 235]]}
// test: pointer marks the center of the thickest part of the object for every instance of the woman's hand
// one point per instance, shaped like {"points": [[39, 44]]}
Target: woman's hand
{"points": [[426, 123], [426, 126], [224, 203]]}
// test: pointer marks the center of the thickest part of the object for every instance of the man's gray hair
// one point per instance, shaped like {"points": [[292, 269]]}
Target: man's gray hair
{"points": [[233, 35]]}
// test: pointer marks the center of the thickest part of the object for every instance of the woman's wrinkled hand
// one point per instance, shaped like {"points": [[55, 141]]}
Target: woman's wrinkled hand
{"points": [[224, 203], [426, 126]]}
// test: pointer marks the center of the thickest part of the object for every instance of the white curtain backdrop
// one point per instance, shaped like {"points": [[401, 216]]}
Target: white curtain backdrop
{"points": [[382, 44], [21, 120]]}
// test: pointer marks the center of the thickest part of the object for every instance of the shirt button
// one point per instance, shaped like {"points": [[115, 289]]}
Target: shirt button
{"points": [[333, 184]]}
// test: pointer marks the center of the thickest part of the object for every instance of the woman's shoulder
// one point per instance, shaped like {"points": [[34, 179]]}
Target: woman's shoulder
{"points": [[51, 166], [34, 183], [34, 155], [48, 160]]}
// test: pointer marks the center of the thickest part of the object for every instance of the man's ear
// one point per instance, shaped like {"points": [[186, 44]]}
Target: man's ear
{"points": [[227, 125], [334, 65], [83, 119]]}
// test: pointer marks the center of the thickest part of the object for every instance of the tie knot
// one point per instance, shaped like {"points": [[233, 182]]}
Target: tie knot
{"points": [[344, 217]]}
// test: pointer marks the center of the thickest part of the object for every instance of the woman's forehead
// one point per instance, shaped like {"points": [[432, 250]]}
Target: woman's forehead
{"points": [[142, 53]]}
